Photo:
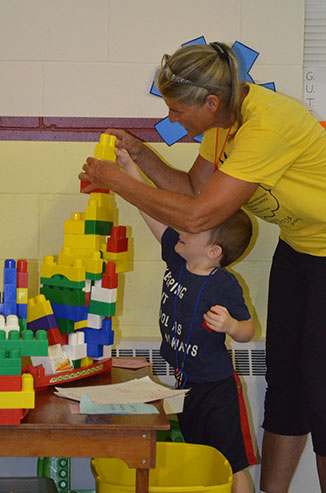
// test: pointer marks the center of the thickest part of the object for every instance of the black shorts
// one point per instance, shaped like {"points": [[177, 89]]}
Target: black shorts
{"points": [[295, 401], [211, 417]]}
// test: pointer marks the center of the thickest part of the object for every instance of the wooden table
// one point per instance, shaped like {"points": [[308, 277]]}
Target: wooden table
{"points": [[51, 430]]}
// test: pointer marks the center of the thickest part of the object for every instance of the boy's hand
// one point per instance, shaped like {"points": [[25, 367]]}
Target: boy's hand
{"points": [[218, 319], [125, 161]]}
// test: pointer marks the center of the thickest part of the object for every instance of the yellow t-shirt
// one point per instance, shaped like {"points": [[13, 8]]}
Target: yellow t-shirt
{"points": [[282, 147]]}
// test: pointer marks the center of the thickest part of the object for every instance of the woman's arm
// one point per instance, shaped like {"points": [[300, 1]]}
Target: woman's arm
{"points": [[219, 198], [161, 174]]}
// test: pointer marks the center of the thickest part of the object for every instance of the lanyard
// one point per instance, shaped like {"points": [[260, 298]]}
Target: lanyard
{"points": [[217, 160], [180, 373]]}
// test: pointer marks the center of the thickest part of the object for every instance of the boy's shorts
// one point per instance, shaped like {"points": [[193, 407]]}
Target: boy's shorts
{"points": [[211, 416], [295, 401]]}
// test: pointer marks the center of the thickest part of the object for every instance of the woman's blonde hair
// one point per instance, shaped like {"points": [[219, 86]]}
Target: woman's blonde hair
{"points": [[195, 71]]}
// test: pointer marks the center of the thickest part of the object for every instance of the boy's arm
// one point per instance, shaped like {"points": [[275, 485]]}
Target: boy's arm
{"points": [[131, 168], [219, 319]]}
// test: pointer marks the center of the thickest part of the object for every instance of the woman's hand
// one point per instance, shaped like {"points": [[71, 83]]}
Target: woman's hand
{"points": [[127, 141], [99, 173]]}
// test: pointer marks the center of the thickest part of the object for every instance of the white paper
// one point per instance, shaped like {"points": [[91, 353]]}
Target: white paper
{"points": [[137, 390]]}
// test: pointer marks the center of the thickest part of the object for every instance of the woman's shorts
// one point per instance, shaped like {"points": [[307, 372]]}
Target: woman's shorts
{"points": [[211, 417], [295, 401]]}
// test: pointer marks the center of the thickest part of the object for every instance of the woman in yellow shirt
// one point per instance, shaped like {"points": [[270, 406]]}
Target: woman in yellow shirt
{"points": [[266, 153]]}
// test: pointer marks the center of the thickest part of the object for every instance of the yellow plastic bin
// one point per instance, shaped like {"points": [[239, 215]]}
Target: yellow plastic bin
{"points": [[180, 468]]}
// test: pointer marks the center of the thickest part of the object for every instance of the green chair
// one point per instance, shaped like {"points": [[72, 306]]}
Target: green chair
{"points": [[58, 469]]}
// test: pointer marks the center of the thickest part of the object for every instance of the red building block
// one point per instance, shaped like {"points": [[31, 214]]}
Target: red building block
{"points": [[22, 274], [10, 383], [110, 278], [117, 242], [54, 336], [84, 184], [11, 416]]}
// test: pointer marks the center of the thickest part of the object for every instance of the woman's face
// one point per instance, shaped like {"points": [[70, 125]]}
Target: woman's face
{"points": [[195, 119]]}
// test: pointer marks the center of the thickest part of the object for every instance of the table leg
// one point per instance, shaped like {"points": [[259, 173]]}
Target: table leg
{"points": [[142, 477]]}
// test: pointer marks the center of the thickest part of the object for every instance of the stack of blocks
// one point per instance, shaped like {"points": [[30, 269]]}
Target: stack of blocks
{"points": [[16, 390], [70, 321], [81, 285]]}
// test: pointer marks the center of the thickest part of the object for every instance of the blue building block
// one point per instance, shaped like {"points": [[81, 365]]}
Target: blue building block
{"points": [[45, 323], [10, 272], [97, 338], [9, 308], [22, 310], [75, 313], [10, 288], [10, 292]]}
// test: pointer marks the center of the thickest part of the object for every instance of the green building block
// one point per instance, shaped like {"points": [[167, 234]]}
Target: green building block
{"points": [[25, 343], [102, 228], [62, 281], [76, 363], [66, 326], [22, 324], [100, 308], [10, 361], [93, 277], [64, 296]]}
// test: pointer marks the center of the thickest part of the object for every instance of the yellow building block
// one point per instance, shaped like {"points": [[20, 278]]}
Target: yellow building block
{"points": [[103, 199], [22, 295], [121, 259], [24, 399], [105, 148], [38, 307], [66, 256], [80, 325], [95, 212], [75, 272], [94, 264], [75, 225], [83, 245], [86, 361]]}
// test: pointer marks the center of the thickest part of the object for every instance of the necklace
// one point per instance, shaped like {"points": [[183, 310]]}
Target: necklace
{"points": [[217, 160], [179, 373]]}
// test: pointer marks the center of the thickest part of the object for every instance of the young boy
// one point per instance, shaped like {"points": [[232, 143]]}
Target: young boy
{"points": [[201, 302]]}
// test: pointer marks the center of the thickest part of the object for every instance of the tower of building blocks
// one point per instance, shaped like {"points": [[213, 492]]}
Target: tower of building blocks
{"points": [[70, 321], [81, 285], [17, 390]]}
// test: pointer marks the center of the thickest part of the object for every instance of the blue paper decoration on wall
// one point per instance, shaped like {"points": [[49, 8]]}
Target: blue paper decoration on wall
{"points": [[173, 132]]}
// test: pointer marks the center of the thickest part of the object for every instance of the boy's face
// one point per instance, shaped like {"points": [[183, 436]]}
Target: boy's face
{"points": [[193, 247]]}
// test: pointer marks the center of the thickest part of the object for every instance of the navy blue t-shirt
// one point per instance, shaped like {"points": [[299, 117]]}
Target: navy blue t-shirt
{"points": [[204, 355]]}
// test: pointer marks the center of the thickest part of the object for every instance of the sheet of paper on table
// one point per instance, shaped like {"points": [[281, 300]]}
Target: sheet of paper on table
{"points": [[132, 391], [130, 363], [89, 407]]}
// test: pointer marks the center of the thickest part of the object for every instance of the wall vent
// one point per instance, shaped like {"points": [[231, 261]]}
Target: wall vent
{"points": [[315, 33], [248, 358]]}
